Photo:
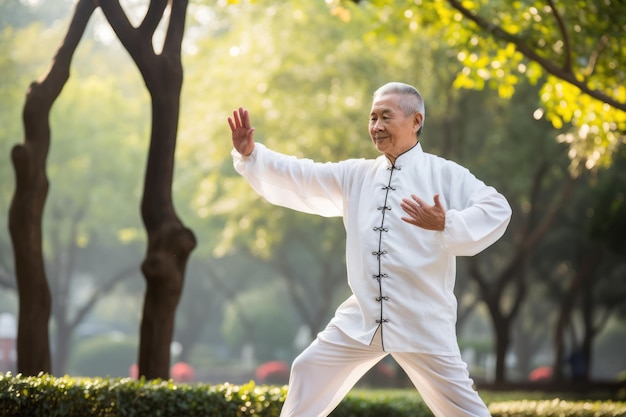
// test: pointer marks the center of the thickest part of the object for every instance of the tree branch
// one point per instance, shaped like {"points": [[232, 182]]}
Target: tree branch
{"points": [[602, 321], [595, 54], [520, 294], [549, 66], [475, 273], [176, 28], [298, 296], [538, 176], [567, 66], [101, 292], [29, 198], [531, 236], [153, 17], [544, 225], [231, 295], [137, 46]]}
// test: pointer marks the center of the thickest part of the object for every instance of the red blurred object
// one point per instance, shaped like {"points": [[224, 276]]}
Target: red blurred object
{"points": [[273, 372], [180, 372], [134, 371], [183, 372], [542, 373]]}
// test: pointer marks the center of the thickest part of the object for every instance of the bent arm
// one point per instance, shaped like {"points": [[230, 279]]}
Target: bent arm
{"points": [[478, 221]]}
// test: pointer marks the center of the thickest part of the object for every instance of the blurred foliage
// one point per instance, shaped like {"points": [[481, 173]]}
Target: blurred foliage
{"points": [[15, 14], [615, 335], [572, 49], [608, 219], [104, 355], [253, 318]]}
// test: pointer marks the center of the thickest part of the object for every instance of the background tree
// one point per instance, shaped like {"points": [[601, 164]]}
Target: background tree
{"points": [[26, 211], [169, 242], [94, 165], [572, 48], [592, 263], [96, 183], [575, 49]]}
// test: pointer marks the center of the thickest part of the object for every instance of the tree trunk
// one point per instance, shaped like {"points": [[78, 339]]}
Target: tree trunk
{"points": [[591, 257], [169, 242], [26, 211], [590, 330], [502, 346], [492, 295]]}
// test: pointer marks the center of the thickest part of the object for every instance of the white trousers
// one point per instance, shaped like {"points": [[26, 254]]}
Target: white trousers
{"points": [[324, 373]]}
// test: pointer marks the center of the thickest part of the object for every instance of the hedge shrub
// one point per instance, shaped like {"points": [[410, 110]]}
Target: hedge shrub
{"points": [[48, 396], [558, 408]]}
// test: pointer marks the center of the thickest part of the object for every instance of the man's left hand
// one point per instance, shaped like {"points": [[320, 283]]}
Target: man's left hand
{"points": [[422, 215]]}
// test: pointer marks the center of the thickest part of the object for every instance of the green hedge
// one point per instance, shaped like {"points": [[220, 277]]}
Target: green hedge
{"points": [[558, 408], [68, 397], [48, 396]]}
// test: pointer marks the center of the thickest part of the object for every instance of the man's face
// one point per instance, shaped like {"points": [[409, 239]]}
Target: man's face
{"points": [[391, 131]]}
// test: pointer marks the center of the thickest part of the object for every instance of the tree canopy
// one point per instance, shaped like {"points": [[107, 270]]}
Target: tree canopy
{"points": [[572, 49]]}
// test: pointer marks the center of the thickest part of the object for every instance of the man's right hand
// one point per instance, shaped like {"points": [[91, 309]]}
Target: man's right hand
{"points": [[243, 133]]}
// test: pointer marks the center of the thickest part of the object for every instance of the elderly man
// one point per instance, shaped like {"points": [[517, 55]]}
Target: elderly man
{"points": [[400, 255]]}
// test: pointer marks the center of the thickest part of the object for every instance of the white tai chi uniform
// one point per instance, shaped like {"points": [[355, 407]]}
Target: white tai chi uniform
{"points": [[402, 277]]}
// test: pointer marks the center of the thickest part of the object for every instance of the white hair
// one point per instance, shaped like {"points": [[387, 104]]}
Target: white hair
{"points": [[411, 100]]}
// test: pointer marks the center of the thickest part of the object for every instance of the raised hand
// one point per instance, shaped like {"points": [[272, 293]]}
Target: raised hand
{"points": [[242, 132]]}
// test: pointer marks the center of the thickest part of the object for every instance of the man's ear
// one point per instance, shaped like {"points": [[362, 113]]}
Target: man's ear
{"points": [[417, 121]]}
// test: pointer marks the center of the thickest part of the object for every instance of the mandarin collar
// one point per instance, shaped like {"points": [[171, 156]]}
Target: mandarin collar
{"points": [[409, 154]]}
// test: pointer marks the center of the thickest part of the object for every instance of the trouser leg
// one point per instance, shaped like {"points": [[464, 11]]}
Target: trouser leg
{"points": [[444, 384], [324, 373]]}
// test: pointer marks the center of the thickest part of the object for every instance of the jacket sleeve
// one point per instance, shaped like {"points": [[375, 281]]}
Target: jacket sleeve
{"points": [[478, 218], [298, 184]]}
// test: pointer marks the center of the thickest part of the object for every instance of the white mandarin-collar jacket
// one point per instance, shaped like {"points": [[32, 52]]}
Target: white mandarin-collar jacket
{"points": [[401, 276]]}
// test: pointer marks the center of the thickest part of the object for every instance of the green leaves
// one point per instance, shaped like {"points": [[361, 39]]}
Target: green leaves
{"points": [[574, 49], [48, 396]]}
